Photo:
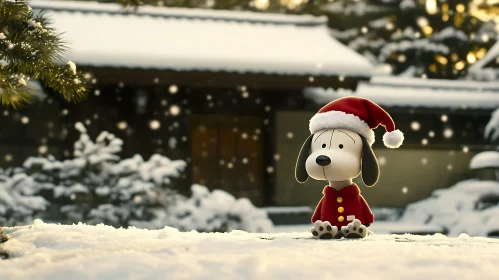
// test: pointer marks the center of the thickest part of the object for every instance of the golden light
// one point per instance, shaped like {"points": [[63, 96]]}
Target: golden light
{"points": [[471, 58], [481, 53], [459, 65], [431, 7], [441, 59], [454, 56], [485, 10], [445, 17], [427, 30], [262, 4], [460, 8], [433, 67]]}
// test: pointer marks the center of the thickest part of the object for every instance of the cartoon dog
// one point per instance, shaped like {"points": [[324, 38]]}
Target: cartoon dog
{"points": [[338, 150]]}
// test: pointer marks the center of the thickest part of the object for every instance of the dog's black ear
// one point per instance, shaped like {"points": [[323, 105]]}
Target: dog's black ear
{"points": [[301, 174], [370, 168]]}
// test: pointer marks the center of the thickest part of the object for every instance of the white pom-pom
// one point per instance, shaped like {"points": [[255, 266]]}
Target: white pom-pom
{"points": [[393, 139]]}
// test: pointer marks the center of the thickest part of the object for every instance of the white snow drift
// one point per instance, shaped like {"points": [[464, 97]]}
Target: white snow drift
{"points": [[46, 251]]}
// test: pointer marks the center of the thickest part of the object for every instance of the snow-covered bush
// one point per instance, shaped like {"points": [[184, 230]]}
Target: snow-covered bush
{"points": [[19, 202], [96, 187], [470, 206], [217, 211]]}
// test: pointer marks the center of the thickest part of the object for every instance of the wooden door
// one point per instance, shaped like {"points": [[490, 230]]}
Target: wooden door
{"points": [[226, 153]]}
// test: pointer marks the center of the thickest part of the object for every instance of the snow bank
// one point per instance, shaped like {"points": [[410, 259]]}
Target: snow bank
{"points": [[46, 251], [488, 159], [470, 206]]}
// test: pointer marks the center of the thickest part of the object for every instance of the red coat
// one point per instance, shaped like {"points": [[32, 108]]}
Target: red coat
{"points": [[343, 206]]}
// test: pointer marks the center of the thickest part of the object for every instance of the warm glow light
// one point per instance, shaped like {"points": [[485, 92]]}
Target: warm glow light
{"points": [[459, 65], [433, 67], [471, 57], [427, 30], [445, 17], [441, 59], [431, 7], [460, 8], [481, 53], [262, 4]]}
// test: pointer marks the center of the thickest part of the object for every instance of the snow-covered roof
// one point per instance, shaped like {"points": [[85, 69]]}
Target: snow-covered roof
{"points": [[197, 39], [415, 92], [488, 159]]}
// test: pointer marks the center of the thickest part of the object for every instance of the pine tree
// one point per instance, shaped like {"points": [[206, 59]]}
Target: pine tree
{"points": [[423, 38], [30, 49]]}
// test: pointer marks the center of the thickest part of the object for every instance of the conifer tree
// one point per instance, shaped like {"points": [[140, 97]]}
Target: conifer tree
{"points": [[30, 49]]}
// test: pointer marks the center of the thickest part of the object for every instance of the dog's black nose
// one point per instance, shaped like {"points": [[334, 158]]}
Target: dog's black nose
{"points": [[323, 160]]}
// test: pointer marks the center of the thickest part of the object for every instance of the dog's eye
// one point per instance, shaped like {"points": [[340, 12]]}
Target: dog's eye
{"points": [[323, 145], [341, 146]]}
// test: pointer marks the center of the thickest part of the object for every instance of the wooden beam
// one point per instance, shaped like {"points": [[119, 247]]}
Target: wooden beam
{"points": [[142, 77]]}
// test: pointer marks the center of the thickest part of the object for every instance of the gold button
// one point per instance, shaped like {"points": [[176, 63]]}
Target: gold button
{"points": [[341, 219], [341, 209], [339, 199]]}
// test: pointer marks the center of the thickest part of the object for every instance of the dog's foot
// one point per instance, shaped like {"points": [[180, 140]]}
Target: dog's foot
{"points": [[354, 230], [323, 230]]}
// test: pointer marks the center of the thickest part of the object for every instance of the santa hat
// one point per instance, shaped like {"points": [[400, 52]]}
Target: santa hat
{"points": [[360, 115]]}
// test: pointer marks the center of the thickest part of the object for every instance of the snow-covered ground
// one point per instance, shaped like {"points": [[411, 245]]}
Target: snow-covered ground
{"points": [[379, 227], [47, 251]]}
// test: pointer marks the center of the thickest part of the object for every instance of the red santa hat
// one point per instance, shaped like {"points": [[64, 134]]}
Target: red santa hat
{"points": [[360, 115]]}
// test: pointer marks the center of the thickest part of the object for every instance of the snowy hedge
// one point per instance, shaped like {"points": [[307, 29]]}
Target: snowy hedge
{"points": [[96, 186], [470, 206]]}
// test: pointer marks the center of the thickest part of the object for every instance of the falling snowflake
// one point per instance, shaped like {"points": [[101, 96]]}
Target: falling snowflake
{"points": [[172, 142], [449, 167], [431, 133], [466, 149], [405, 190], [65, 112], [415, 126], [88, 122], [244, 135], [234, 129], [222, 162], [277, 157], [97, 92], [173, 89], [156, 80], [424, 161], [290, 135], [245, 94], [270, 169], [25, 120], [42, 149], [311, 79], [382, 160], [364, 29], [154, 124], [230, 165], [208, 97], [174, 110], [8, 157], [255, 137], [424, 141], [444, 118], [164, 102], [184, 138], [245, 160], [448, 133], [267, 108], [122, 125]]}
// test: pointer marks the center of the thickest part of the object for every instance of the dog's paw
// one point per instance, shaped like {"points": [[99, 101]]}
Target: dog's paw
{"points": [[323, 230], [354, 230]]}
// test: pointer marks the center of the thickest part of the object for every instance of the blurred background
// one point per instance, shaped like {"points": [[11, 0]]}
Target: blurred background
{"points": [[211, 101]]}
